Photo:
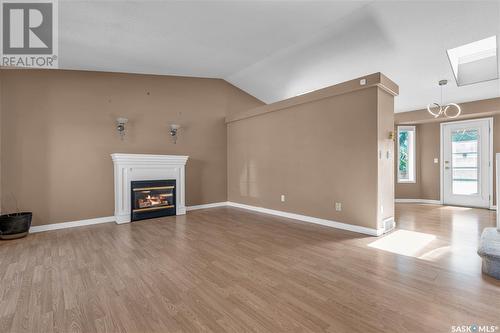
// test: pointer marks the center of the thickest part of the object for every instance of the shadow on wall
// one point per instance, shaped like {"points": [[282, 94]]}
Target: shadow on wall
{"points": [[248, 180]]}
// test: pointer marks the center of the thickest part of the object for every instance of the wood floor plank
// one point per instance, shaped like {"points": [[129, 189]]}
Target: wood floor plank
{"points": [[231, 270]]}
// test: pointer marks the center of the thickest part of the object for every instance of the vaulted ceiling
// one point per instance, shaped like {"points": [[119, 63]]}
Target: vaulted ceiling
{"points": [[279, 49]]}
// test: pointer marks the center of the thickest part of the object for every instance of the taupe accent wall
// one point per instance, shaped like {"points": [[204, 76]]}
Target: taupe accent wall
{"points": [[427, 185], [427, 172], [316, 152], [58, 131]]}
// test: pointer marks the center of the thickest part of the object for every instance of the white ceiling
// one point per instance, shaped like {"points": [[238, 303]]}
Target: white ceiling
{"points": [[279, 49]]}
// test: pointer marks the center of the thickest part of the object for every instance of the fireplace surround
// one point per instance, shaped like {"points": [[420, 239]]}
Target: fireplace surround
{"points": [[129, 168]]}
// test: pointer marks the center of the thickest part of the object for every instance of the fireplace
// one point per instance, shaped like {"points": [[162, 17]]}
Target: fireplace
{"points": [[152, 198], [140, 167]]}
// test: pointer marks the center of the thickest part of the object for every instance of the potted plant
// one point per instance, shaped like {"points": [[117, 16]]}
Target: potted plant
{"points": [[15, 225]]}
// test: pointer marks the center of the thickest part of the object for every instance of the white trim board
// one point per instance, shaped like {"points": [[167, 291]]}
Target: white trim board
{"points": [[303, 218], [72, 224], [107, 219], [310, 219], [420, 201], [205, 206]]}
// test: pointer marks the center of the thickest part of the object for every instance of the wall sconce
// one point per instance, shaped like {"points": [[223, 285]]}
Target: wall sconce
{"points": [[120, 126], [174, 129]]}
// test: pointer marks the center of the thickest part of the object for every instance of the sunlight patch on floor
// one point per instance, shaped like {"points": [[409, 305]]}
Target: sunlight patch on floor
{"points": [[436, 254], [404, 242], [455, 208]]}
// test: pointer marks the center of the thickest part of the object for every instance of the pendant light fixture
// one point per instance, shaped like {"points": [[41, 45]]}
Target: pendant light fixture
{"points": [[450, 110]]}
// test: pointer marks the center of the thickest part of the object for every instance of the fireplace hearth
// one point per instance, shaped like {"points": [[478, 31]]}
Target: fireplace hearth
{"points": [[152, 198]]}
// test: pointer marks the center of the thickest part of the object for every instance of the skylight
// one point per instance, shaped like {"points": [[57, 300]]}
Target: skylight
{"points": [[475, 62]]}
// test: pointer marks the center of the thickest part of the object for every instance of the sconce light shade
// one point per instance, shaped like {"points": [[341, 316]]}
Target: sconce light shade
{"points": [[121, 120]]}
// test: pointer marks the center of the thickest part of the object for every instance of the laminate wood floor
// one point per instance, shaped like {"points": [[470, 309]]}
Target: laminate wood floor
{"points": [[231, 270]]}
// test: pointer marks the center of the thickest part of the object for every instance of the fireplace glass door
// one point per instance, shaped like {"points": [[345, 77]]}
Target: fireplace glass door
{"points": [[152, 198]]}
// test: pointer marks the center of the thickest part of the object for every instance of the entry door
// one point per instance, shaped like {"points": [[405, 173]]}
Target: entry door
{"points": [[466, 163]]}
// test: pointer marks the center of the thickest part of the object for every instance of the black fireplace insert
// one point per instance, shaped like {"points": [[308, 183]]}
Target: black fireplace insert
{"points": [[152, 198]]}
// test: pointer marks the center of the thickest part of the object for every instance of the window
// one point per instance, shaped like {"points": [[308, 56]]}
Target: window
{"points": [[465, 161], [475, 62], [406, 154]]}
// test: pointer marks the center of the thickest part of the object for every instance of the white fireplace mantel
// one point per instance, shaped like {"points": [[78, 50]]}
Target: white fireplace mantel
{"points": [[130, 167]]}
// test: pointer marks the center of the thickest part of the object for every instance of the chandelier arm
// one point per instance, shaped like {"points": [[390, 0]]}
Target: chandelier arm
{"points": [[433, 113], [458, 110]]}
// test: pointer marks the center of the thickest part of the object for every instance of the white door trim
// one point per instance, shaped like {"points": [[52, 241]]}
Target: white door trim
{"points": [[441, 153]]}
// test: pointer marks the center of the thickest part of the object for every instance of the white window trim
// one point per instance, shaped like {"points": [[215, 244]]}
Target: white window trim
{"points": [[413, 160]]}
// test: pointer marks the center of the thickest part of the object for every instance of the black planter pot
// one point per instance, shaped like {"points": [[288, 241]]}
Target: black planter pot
{"points": [[15, 225]]}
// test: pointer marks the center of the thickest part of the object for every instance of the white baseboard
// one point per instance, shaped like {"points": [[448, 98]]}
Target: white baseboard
{"points": [[421, 201], [64, 225], [310, 219], [205, 206], [119, 220], [304, 218], [494, 207]]}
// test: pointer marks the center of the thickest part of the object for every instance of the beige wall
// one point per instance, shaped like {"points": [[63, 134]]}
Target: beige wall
{"points": [[58, 130], [315, 153], [427, 172], [427, 184]]}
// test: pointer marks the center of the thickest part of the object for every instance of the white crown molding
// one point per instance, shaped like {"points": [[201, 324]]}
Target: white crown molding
{"points": [[72, 224], [205, 206], [310, 219], [420, 201]]}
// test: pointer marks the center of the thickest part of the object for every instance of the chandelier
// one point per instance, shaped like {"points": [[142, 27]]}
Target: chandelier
{"points": [[450, 110]]}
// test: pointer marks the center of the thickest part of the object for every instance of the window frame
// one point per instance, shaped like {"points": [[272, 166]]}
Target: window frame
{"points": [[412, 154]]}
